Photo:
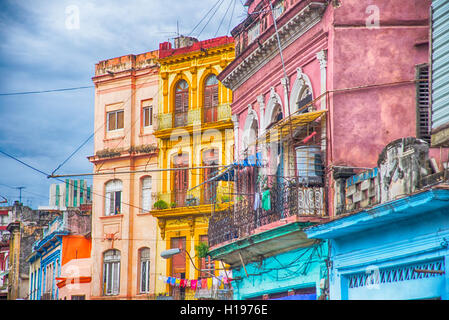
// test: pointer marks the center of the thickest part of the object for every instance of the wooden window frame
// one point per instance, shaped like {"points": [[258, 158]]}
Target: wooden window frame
{"points": [[115, 113]]}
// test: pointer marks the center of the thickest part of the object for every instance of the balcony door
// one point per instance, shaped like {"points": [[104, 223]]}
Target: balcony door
{"points": [[178, 269], [211, 99], [180, 179], [210, 158], [181, 103]]}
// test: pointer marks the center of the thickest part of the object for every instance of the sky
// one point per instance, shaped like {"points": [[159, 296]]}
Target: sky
{"points": [[54, 44]]}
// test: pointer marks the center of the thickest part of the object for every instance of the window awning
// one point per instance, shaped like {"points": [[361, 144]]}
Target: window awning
{"points": [[282, 128]]}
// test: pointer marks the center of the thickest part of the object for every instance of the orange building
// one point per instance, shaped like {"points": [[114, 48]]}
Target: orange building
{"points": [[123, 231]]}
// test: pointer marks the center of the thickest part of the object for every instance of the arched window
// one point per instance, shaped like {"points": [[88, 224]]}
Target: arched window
{"points": [[146, 194], [113, 199], [111, 272], [210, 98], [181, 103], [144, 256], [304, 98]]}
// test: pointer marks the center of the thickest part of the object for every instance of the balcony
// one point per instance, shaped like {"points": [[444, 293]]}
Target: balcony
{"points": [[169, 121], [290, 202]]}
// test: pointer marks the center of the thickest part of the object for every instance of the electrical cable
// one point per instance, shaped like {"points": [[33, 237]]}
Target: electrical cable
{"points": [[204, 17], [210, 18], [44, 91], [224, 16]]}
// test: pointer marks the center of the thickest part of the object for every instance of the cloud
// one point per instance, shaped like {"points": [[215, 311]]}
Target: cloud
{"points": [[39, 52]]}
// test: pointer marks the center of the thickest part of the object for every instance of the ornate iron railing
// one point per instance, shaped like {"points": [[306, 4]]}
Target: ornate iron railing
{"points": [[244, 217]]}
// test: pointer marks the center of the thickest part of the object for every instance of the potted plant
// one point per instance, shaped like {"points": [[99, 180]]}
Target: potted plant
{"points": [[173, 204], [160, 204], [202, 249]]}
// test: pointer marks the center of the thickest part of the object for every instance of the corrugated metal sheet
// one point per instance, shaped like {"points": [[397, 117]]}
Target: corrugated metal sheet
{"points": [[440, 63]]}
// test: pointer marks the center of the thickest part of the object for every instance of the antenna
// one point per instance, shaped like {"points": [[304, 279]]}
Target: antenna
{"points": [[20, 193], [177, 28]]}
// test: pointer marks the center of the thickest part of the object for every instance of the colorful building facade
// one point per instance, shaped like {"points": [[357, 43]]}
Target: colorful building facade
{"points": [[195, 137], [5, 213], [65, 239], [313, 89], [124, 232], [396, 249]]}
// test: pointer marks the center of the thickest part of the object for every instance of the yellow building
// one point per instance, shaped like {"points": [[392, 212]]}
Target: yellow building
{"points": [[196, 141]]}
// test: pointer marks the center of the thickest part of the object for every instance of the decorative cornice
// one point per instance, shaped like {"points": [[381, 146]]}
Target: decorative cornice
{"points": [[288, 33]]}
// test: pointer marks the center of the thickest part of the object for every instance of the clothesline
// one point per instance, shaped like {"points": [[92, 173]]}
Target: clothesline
{"points": [[194, 284]]}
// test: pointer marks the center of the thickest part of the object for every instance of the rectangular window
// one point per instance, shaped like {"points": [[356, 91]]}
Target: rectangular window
{"points": [[111, 278], [113, 202], [147, 116], [115, 120], [253, 32], [278, 9]]}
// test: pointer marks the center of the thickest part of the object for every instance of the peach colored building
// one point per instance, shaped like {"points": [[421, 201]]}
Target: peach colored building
{"points": [[123, 232]]}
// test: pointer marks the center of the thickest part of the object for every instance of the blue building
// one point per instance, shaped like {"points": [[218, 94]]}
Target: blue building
{"points": [[391, 238], [395, 250], [51, 250]]}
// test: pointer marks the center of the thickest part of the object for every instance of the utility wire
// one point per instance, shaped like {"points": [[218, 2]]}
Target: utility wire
{"points": [[210, 18], [204, 17], [224, 16], [44, 91], [25, 164]]}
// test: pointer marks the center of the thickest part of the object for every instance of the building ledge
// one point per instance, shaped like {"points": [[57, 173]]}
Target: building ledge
{"points": [[273, 239], [187, 211], [420, 203]]}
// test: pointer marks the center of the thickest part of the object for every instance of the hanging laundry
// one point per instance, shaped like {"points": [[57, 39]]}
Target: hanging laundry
{"points": [[256, 200], [204, 283], [173, 281], [168, 280], [266, 200], [193, 284], [182, 283], [177, 282], [209, 283]]}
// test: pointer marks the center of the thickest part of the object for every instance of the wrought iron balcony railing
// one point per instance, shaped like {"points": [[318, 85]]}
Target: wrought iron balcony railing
{"points": [[191, 117], [193, 198], [243, 218]]}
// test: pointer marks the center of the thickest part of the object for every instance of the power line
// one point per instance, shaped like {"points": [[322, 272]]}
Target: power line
{"points": [[204, 17], [44, 91], [224, 16], [210, 18], [25, 164]]}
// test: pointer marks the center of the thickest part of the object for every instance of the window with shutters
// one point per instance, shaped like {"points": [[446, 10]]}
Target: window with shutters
{"points": [[180, 179], [211, 99], [422, 103], [278, 9], [147, 115], [206, 263], [146, 194], [115, 120], [178, 266], [181, 103], [111, 272], [144, 255], [210, 158], [253, 32], [113, 198]]}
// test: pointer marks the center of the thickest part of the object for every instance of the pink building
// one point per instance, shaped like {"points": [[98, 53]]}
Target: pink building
{"points": [[321, 109], [356, 61]]}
